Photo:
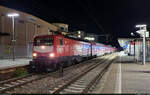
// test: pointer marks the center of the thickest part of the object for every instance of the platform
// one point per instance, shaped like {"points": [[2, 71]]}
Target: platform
{"points": [[125, 77], [9, 63]]}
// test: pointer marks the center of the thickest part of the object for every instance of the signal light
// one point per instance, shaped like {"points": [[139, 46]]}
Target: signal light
{"points": [[34, 54], [51, 55]]}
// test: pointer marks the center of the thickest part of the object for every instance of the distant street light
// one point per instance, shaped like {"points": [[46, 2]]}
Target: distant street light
{"points": [[13, 15], [142, 33], [89, 38], [132, 34]]}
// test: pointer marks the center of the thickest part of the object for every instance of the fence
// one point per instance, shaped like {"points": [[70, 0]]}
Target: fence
{"points": [[139, 50], [6, 51]]}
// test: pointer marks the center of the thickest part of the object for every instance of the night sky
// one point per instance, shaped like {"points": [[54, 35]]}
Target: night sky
{"points": [[115, 17]]}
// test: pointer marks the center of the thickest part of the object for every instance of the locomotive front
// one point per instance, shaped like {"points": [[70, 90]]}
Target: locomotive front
{"points": [[43, 53], [43, 48]]}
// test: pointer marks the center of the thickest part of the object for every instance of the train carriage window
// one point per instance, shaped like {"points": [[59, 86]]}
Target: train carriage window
{"points": [[61, 41]]}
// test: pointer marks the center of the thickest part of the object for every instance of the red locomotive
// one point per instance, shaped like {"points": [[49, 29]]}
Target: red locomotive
{"points": [[51, 51]]}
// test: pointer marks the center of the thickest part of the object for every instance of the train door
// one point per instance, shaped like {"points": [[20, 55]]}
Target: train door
{"points": [[61, 46]]}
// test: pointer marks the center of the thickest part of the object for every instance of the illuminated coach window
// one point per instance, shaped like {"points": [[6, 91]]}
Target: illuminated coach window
{"points": [[61, 41]]}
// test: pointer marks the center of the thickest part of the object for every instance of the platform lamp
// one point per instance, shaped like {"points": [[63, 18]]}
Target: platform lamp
{"points": [[142, 33], [13, 15], [132, 34]]}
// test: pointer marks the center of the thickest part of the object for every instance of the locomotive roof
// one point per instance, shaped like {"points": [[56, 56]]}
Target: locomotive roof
{"points": [[64, 37]]}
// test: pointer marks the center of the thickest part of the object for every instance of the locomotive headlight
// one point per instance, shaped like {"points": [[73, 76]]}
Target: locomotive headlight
{"points": [[34, 54], [51, 55], [42, 47]]}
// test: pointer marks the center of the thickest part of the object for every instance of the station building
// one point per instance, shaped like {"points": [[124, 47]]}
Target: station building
{"points": [[26, 27]]}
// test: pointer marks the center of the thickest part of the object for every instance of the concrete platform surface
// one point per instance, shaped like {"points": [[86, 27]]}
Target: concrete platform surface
{"points": [[125, 78], [8, 63], [135, 78]]}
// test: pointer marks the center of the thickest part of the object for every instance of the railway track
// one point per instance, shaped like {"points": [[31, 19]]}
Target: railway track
{"points": [[10, 84], [84, 81], [16, 82], [8, 73]]}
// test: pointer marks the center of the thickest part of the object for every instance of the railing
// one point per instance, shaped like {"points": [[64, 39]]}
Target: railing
{"points": [[6, 51]]}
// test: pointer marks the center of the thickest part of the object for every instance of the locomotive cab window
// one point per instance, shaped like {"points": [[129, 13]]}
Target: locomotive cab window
{"points": [[44, 41], [61, 41]]}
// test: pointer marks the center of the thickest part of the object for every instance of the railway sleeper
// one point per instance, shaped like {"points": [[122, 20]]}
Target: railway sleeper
{"points": [[21, 81], [72, 91], [81, 80], [26, 79], [8, 85], [75, 88], [76, 85], [64, 92], [14, 83], [2, 88]]}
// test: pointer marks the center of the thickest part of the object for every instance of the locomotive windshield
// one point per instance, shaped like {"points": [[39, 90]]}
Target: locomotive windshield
{"points": [[44, 41]]}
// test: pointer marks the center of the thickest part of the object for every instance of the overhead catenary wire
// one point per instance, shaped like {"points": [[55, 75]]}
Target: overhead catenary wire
{"points": [[90, 14]]}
